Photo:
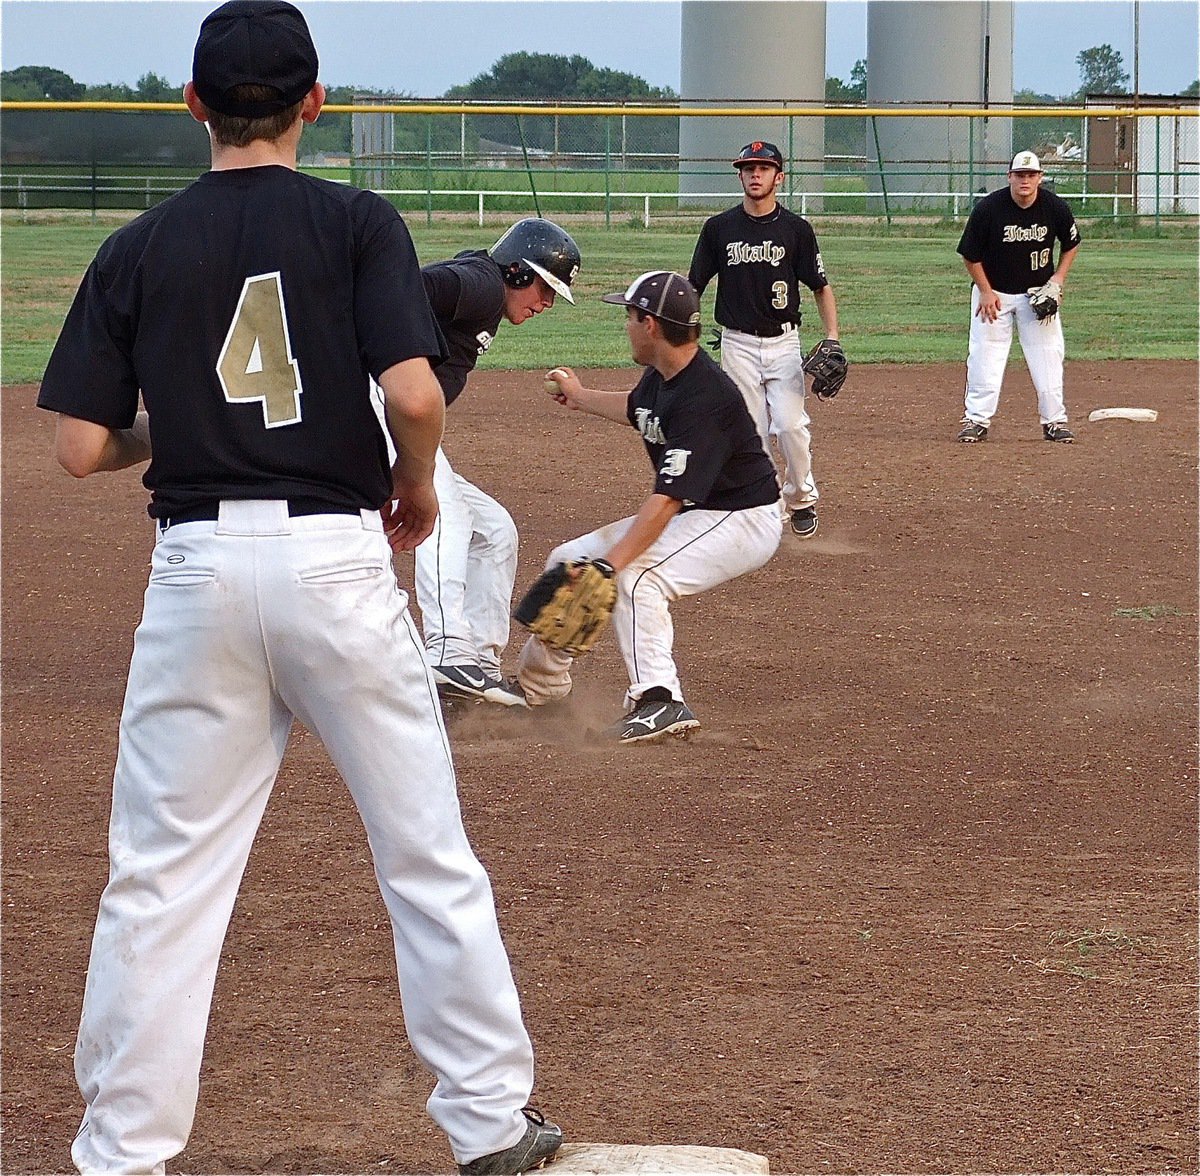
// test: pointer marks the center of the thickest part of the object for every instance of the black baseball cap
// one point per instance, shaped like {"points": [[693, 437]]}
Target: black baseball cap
{"points": [[759, 152], [253, 42], [663, 294]]}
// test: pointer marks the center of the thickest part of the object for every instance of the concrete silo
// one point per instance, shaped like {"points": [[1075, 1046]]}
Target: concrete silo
{"points": [[938, 52], [755, 53]]}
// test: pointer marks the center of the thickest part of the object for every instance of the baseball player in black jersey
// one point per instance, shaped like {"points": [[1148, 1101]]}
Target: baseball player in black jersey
{"points": [[713, 513], [465, 570], [1008, 249], [250, 312], [761, 253]]}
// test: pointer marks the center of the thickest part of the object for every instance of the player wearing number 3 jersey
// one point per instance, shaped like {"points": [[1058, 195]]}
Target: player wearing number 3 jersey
{"points": [[1008, 249], [251, 312], [761, 254]]}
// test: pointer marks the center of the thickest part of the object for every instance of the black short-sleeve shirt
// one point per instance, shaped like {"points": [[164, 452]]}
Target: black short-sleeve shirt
{"points": [[251, 311], [1015, 245], [467, 296], [760, 262], [701, 439]]}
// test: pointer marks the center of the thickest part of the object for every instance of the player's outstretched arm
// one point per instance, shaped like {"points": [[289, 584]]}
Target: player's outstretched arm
{"points": [[415, 410], [563, 385], [84, 447]]}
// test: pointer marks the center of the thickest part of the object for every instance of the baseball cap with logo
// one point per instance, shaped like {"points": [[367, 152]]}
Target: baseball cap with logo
{"points": [[759, 152], [1025, 161], [665, 295], [253, 42]]}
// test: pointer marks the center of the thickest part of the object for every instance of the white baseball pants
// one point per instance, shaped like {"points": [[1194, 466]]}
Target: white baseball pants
{"points": [[697, 549], [249, 621], [770, 376], [465, 573], [987, 355]]}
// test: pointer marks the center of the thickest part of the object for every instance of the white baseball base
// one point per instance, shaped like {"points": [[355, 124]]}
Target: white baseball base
{"points": [[611, 1159], [1123, 414]]}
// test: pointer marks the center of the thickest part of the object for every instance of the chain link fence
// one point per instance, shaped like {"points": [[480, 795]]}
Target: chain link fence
{"points": [[1111, 162]]}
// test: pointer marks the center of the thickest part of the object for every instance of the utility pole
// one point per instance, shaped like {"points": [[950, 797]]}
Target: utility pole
{"points": [[1137, 12]]}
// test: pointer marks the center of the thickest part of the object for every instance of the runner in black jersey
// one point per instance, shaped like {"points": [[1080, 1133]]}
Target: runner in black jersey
{"points": [[250, 312], [465, 570], [1008, 249], [713, 513], [761, 254]]}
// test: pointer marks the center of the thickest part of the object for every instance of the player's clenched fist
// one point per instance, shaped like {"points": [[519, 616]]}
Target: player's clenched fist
{"points": [[563, 384]]}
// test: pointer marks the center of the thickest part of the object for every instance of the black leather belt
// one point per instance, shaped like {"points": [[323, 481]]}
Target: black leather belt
{"points": [[209, 512], [775, 332]]}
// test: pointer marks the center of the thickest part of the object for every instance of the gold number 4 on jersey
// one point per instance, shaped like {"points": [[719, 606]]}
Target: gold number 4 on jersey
{"points": [[256, 362]]}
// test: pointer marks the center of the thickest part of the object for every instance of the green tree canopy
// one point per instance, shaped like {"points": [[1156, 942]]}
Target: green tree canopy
{"points": [[152, 88], [36, 83], [1101, 71], [517, 76], [839, 93], [552, 77], [1032, 98]]}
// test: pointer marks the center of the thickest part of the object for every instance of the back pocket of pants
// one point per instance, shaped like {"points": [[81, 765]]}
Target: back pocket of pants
{"points": [[345, 573]]}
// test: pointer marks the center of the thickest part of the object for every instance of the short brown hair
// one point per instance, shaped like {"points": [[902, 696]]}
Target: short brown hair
{"points": [[233, 131], [674, 333]]}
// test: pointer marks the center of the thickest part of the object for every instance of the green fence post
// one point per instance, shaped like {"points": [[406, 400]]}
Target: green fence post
{"points": [[1157, 173], [970, 163], [608, 173], [887, 212], [791, 158], [428, 169]]}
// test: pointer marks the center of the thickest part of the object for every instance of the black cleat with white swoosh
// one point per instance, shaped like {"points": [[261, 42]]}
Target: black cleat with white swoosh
{"points": [[654, 719], [474, 682]]}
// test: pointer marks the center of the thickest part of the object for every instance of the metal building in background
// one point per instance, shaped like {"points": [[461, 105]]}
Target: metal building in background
{"points": [[940, 53], [757, 53]]}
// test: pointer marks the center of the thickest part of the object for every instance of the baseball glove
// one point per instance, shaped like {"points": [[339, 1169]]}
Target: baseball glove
{"points": [[827, 364], [1045, 300], [569, 604]]}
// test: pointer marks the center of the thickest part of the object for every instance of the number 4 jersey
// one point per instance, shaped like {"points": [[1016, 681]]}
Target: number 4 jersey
{"points": [[1015, 245], [255, 368]]}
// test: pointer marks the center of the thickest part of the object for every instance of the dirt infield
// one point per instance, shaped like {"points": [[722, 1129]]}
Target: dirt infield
{"points": [[919, 896]]}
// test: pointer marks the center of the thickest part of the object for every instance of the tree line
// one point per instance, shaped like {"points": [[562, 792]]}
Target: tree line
{"points": [[545, 76]]}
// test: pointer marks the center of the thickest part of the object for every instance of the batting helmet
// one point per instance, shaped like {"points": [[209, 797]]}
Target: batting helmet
{"points": [[759, 152], [538, 248]]}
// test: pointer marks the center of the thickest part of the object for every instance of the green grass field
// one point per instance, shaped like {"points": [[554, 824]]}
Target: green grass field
{"points": [[902, 292]]}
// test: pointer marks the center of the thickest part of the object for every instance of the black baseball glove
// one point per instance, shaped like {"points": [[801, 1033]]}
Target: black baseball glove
{"points": [[568, 605], [827, 364], [1045, 300]]}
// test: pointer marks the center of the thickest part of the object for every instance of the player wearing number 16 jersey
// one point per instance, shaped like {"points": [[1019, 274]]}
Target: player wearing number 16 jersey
{"points": [[1008, 249], [761, 254]]}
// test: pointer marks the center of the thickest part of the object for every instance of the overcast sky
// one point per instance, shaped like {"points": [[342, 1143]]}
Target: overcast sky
{"points": [[423, 47]]}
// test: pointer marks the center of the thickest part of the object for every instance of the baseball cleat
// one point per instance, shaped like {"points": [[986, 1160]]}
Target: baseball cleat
{"points": [[1057, 432], [476, 683], [535, 1149], [653, 720], [506, 692], [462, 681], [972, 431], [804, 522]]}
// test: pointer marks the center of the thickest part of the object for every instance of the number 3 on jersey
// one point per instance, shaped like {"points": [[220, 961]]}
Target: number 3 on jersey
{"points": [[256, 362]]}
